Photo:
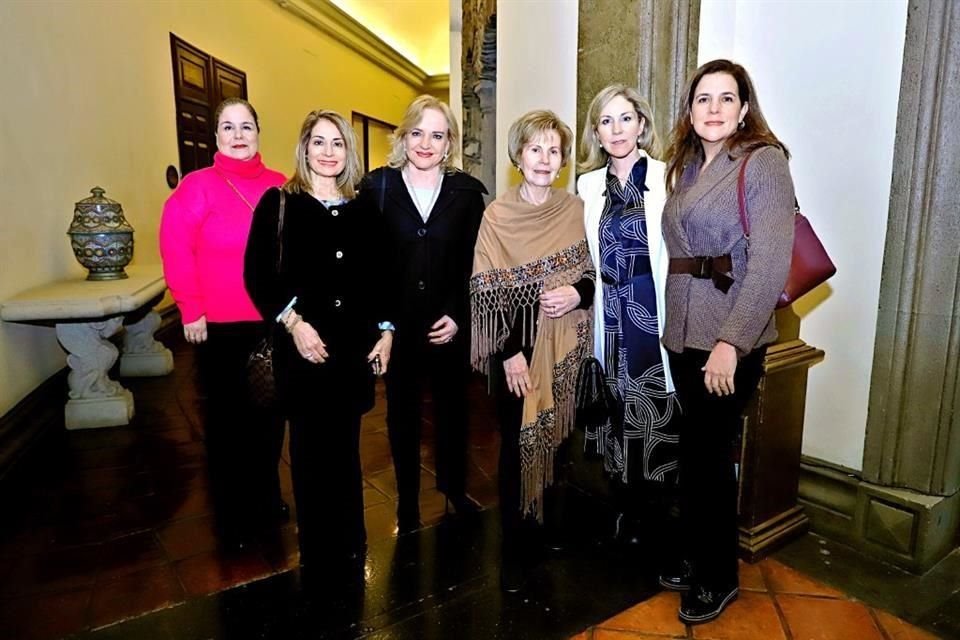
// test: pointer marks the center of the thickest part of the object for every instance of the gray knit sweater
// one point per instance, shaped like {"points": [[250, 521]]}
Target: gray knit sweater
{"points": [[701, 218]]}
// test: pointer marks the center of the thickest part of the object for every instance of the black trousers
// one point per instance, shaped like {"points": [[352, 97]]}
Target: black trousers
{"points": [[708, 480], [243, 441], [327, 481], [415, 369], [515, 525]]}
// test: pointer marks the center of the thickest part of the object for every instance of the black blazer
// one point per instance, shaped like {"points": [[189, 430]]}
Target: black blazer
{"points": [[330, 264], [428, 264]]}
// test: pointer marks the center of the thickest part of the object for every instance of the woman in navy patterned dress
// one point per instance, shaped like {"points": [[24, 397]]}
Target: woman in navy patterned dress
{"points": [[623, 195]]}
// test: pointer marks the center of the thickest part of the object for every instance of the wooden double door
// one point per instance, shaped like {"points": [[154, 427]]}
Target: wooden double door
{"points": [[200, 82]]}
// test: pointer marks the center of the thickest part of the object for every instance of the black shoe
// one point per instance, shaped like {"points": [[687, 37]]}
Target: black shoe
{"points": [[462, 506], [679, 578], [511, 576], [624, 532], [699, 605], [408, 522]]}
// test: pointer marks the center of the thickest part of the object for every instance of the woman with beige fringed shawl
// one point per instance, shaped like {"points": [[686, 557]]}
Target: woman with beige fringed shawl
{"points": [[532, 284]]}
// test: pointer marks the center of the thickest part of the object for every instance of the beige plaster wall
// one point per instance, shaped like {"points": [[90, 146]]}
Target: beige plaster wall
{"points": [[88, 100]]}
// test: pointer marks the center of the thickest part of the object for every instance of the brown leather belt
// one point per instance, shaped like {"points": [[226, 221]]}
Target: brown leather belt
{"points": [[714, 268]]}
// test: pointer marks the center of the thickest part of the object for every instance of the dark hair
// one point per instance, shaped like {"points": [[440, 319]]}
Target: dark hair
{"points": [[685, 145], [229, 102]]}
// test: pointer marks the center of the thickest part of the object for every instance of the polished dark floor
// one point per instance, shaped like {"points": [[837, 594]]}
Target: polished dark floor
{"points": [[105, 526], [108, 534]]}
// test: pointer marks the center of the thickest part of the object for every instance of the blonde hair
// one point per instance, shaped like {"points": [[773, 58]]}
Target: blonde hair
{"points": [[592, 154], [414, 114], [348, 179], [533, 124]]}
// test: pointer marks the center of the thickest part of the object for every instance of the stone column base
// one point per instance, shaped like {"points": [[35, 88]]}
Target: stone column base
{"points": [[908, 529], [146, 365], [92, 413]]}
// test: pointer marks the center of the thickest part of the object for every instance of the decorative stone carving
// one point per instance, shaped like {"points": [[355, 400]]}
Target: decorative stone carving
{"points": [[479, 91], [95, 399], [143, 356]]}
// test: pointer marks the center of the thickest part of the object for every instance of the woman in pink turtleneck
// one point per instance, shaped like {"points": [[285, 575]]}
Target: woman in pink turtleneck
{"points": [[203, 235]]}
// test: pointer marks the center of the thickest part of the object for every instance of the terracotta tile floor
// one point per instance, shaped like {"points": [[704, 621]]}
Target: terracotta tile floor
{"points": [[775, 603]]}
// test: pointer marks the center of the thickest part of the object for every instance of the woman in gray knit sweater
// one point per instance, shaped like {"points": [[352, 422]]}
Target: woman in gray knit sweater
{"points": [[722, 288]]}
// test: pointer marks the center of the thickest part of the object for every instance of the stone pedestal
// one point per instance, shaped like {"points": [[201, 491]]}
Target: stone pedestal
{"points": [[86, 314]]}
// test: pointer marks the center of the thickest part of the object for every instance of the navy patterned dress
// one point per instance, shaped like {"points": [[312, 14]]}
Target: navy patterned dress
{"points": [[640, 444]]}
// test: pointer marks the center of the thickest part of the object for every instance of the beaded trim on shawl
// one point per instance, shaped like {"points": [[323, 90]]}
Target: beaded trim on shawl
{"points": [[496, 296], [540, 439]]}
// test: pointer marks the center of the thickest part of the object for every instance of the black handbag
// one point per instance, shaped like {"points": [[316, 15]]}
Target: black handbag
{"points": [[260, 377], [595, 404]]}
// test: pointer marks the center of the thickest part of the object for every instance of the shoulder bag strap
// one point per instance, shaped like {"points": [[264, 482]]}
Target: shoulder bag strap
{"points": [[383, 187], [742, 197], [283, 202]]}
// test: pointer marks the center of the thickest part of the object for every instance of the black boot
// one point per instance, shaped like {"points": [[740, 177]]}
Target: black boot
{"points": [[700, 604]]}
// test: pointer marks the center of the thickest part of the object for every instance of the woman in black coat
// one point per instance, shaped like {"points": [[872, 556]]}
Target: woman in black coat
{"points": [[432, 212], [327, 302]]}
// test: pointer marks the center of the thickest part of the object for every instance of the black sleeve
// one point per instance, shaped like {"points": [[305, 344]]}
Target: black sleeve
{"points": [[585, 287], [269, 290], [382, 255], [514, 342], [457, 304]]}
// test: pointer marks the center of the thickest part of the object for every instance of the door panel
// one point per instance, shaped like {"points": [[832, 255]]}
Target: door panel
{"points": [[200, 83]]}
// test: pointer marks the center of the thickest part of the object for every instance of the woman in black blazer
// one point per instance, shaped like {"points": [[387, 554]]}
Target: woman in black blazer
{"points": [[325, 304], [431, 212]]}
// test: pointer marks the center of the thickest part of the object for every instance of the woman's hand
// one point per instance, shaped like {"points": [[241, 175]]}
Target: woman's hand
{"points": [[719, 370], [560, 301], [382, 349], [196, 332], [308, 343], [518, 375], [443, 331]]}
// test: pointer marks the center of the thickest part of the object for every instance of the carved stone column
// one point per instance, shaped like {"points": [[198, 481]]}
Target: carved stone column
{"points": [[651, 44], [912, 449], [479, 66], [668, 56]]}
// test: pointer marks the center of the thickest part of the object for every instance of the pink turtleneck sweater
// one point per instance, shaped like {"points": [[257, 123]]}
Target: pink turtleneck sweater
{"points": [[203, 236]]}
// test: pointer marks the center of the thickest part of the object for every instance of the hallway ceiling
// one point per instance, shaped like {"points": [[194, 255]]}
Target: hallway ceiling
{"points": [[418, 29]]}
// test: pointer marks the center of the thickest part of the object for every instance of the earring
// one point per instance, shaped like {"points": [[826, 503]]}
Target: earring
{"points": [[741, 125], [638, 143]]}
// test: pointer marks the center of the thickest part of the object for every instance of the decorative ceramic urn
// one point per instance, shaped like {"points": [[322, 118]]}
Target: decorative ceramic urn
{"points": [[101, 238]]}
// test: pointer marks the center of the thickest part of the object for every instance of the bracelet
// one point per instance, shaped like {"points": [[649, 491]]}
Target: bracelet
{"points": [[283, 314], [293, 323]]}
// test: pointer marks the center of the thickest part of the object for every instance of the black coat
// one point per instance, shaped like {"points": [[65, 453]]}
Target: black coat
{"points": [[330, 263], [429, 263]]}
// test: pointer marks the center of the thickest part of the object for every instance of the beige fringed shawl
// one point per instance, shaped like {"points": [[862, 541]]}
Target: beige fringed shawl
{"points": [[523, 250]]}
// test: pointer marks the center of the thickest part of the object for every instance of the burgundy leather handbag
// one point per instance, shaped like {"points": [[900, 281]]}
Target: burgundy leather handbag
{"points": [[810, 265]]}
